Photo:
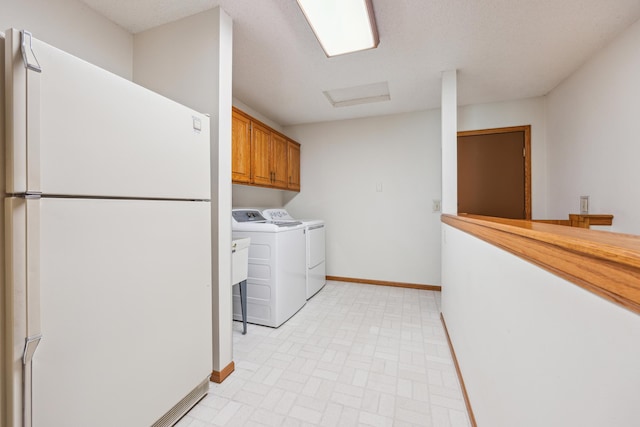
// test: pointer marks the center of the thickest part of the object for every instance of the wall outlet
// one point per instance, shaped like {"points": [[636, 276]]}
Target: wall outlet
{"points": [[584, 205], [437, 206]]}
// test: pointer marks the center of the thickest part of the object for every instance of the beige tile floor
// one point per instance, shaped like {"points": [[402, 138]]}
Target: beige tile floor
{"points": [[353, 355]]}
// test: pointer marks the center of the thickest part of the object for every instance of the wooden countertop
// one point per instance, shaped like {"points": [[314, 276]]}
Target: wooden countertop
{"points": [[605, 263]]}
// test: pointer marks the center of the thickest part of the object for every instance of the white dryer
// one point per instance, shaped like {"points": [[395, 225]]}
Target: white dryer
{"points": [[276, 279], [316, 274]]}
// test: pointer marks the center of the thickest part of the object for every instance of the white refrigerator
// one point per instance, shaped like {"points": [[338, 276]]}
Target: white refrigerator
{"points": [[106, 317]]}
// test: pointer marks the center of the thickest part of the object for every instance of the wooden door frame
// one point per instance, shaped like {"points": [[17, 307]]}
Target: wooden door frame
{"points": [[527, 157]]}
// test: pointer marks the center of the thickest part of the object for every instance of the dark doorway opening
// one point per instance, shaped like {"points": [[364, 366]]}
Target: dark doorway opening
{"points": [[494, 172]]}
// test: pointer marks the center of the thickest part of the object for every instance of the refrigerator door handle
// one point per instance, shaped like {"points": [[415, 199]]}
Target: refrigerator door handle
{"points": [[27, 52], [34, 331], [33, 268], [33, 132], [30, 345], [23, 234], [23, 136]]}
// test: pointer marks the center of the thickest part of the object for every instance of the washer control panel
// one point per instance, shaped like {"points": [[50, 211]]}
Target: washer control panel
{"points": [[247, 215]]}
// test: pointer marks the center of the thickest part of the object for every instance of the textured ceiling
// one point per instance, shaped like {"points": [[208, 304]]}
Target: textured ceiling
{"points": [[502, 49]]}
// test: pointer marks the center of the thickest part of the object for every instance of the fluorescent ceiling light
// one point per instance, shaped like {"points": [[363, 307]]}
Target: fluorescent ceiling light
{"points": [[355, 95], [341, 26]]}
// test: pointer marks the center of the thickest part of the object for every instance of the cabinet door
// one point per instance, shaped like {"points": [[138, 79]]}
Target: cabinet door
{"points": [[241, 148], [279, 161], [261, 154], [293, 166]]}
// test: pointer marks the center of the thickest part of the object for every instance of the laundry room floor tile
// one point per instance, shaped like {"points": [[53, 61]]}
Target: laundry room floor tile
{"points": [[355, 354]]}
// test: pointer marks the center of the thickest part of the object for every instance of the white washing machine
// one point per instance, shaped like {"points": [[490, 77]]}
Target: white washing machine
{"points": [[316, 274], [276, 278]]}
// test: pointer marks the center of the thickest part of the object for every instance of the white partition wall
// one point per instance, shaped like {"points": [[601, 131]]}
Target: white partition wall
{"points": [[534, 349]]}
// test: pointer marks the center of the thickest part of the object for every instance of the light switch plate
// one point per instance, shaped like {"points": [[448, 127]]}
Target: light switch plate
{"points": [[437, 206], [197, 124], [584, 205]]}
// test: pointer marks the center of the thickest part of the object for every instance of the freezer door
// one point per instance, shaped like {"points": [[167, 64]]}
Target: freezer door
{"points": [[125, 309], [89, 132]]}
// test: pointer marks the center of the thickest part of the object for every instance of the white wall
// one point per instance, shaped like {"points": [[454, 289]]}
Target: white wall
{"points": [[342, 162], [592, 133], [72, 26], [534, 349], [390, 235], [190, 61], [247, 196], [519, 112]]}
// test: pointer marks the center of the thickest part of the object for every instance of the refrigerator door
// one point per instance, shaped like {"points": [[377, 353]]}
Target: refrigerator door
{"points": [[125, 310], [92, 133]]}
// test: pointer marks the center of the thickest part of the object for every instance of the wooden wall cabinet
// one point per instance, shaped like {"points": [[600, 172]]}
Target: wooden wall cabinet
{"points": [[279, 162], [293, 156], [262, 156], [240, 148]]}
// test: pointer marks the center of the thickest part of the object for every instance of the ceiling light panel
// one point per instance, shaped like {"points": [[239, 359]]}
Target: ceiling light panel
{"points": [[341, 26]]}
